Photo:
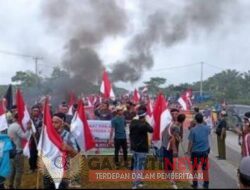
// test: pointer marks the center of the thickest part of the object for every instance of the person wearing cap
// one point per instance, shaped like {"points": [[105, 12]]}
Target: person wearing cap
{"points": [[69, 145], [221, 135], [139, 129], [118, 124], [244, 173], [16, 134]]}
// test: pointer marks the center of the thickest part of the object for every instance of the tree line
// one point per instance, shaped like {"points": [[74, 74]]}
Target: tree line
{"points": [[229, 85]]}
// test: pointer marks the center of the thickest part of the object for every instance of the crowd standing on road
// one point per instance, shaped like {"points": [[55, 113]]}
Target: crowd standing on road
{"points": [[125, 114]]}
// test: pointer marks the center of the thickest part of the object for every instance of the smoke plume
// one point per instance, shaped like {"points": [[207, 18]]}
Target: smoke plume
{"points": [[163, 27], [85, 25]]}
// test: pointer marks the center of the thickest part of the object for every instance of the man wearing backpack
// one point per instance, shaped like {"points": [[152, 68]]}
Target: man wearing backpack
{"points": [[16, 134]]}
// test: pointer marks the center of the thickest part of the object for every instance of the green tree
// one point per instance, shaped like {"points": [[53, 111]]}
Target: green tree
{"points": [[155, 85], [246, 84], [59, 73], [227, 84], [26, 79]]}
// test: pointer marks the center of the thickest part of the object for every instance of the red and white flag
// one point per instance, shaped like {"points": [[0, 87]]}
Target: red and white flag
{"points": [[81, 131], [50, 148], [162, 118], [145, 90], [91, 100], [106, 87], [72, 100], [185, 100], [136, 96], [150, 107], [23, 120], [3, 120], [149, 117]]}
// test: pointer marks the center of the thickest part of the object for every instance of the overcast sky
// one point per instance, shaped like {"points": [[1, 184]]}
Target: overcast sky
{"points": [[24, 29]]}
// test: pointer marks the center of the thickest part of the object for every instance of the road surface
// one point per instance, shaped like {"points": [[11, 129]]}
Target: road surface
{"points": [[223, 173]]}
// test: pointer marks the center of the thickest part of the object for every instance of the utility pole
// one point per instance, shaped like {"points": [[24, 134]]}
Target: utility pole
{"points": [[201, 82], [35, 58], [36, 68], [36, 64]]}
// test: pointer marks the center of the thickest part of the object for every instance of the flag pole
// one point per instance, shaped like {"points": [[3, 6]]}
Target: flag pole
{"points": [[38, 176], [37, 173], [42, 142]]}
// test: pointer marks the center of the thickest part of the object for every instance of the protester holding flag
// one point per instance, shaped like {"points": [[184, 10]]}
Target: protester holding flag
{"points": [[162, 118], [70, 142], [36, 118], [16, 134], [68, 145], [171, 136]]}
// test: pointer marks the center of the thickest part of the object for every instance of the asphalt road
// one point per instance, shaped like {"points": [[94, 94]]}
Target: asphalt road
{"points": [[223, 173]]}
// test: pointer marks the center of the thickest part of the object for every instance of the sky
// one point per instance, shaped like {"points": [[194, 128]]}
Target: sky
{"points": [[24, 29]]}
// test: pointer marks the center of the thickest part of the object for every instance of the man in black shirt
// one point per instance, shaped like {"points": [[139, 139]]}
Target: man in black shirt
{"points": [[36, 117], [139, 130]]}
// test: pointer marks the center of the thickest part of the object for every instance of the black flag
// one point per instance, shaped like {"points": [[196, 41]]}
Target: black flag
{"points": [[9, 98]]}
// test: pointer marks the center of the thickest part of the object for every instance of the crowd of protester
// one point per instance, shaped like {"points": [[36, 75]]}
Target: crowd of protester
{"points": [[125, 114]]}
